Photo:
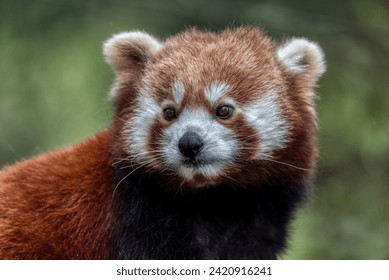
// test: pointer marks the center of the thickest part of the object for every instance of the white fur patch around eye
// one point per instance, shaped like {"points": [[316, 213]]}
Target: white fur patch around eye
{"points": [[272, 128], [178, 90], [215, 91]]}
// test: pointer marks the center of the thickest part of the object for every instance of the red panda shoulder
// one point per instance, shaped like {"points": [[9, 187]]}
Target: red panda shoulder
{"points": [[52, 205]]}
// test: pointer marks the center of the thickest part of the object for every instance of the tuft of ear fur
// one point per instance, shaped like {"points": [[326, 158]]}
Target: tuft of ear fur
{"points": [[127, 50], [301, 56]]}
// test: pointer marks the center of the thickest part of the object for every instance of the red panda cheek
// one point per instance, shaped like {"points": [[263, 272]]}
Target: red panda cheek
{"points": [[155, 135], [246, 135]]}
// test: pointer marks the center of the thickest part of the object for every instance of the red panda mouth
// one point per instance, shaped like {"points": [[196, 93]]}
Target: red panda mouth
{"points": [[199, 161], [193, 162], [196, 165]]}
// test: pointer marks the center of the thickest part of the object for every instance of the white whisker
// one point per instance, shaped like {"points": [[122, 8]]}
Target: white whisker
{"points": [[125, 177], [287, 164]]}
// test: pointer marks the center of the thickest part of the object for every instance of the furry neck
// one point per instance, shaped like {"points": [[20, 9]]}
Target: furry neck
{"points": [[218, 222]]}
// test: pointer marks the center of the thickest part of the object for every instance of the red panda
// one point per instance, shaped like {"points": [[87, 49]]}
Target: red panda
{"points": [[211, 150]]}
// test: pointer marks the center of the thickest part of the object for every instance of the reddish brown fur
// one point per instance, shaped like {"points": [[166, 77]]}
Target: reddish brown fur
{"points": [[243, 58], [58, 205]]}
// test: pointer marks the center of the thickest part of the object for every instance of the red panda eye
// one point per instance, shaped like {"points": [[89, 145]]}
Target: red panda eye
{"points": [[169, 114], [224, 111]]}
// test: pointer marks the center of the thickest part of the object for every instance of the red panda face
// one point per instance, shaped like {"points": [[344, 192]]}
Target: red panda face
{"points": [[207, 108]]}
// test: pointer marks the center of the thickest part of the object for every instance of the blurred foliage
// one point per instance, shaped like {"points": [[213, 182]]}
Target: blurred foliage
{"points": [[54, 83]]}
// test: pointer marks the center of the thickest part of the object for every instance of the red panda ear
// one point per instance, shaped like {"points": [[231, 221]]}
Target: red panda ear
{"points": [[302, 57], [128, 52]]}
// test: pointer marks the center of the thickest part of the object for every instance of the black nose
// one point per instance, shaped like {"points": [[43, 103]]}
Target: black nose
{"points": [[190, 144]]}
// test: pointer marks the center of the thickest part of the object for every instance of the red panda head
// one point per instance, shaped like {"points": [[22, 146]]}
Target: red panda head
{"points": [[206, 108]]}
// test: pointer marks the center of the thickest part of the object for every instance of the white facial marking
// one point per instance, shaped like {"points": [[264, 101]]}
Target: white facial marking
{"points": [[137, 135], [215, 91], [265, 116], [219, 148], [178, 92]]}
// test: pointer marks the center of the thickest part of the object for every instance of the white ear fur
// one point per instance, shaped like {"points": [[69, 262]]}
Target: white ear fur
{"points": [[128, 50], [301, 56]]}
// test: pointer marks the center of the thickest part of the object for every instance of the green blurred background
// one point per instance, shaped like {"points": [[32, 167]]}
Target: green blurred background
{"points": [[53, 85]]}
